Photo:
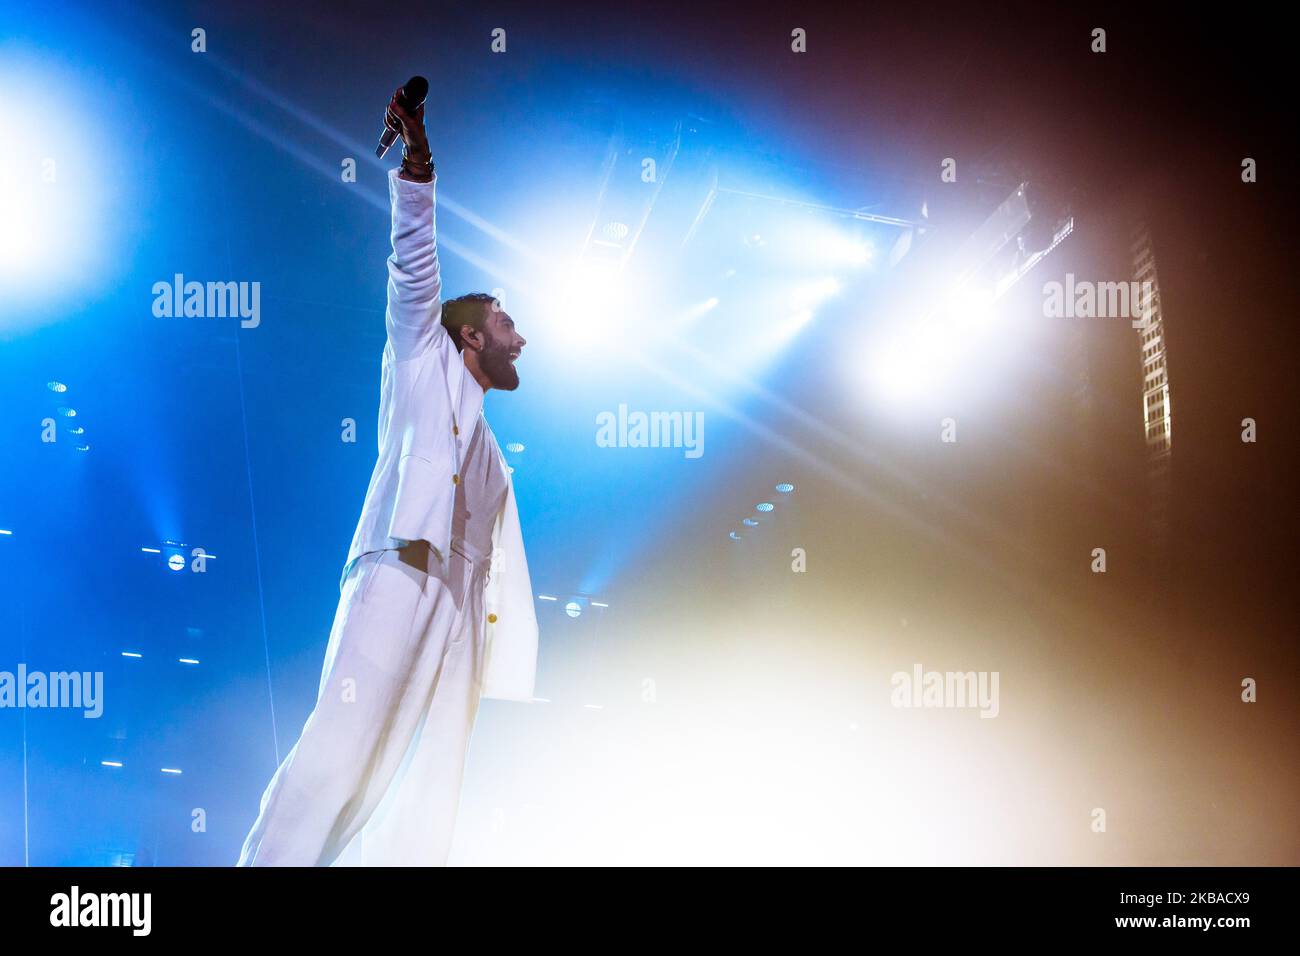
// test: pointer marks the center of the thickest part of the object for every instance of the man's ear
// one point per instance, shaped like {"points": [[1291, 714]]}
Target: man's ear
{"points": [[471, 338]]}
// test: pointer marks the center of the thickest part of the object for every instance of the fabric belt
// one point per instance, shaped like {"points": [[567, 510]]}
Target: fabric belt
{"points": [[481, 562]]}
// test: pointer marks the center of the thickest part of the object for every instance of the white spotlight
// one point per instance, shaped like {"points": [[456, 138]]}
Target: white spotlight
{"points": [[901, 372], [971, 305], [809, 295], [592, 291]]}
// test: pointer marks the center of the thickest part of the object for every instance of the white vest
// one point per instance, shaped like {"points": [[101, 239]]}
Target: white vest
{"points": [[412, 490]]}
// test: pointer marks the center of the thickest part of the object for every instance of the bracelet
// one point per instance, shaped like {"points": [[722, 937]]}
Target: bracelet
{"points": [[406, 159]]}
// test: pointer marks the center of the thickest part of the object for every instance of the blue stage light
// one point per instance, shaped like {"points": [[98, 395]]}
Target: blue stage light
{"points": [[51, 199]]}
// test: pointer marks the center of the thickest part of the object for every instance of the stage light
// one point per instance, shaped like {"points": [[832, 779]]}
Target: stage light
{"points": [[764, 506], [844, 250], [923, 354], [51, 199], [5, 531], [186, 660], [809, 295], [151, 550], [764, 343], [899, 372], [599, 604], [592, 285], [176, 562], [735, 536], [131, 654], [110, 763], [573, 609], [750, 522], [515, 447], [768, 337], [56, 386], [597, 293], [170, 770], [66, 411], [813, 243], [689, 315], [917, 359], [784, 488], [546, 597], [970, 305], [24, 233]]}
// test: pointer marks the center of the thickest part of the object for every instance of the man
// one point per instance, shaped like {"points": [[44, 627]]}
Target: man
{"points": [[436, 607]]}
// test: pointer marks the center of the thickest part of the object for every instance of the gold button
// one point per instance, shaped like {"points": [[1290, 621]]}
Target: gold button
{"points": [[492, 618], [455, 479]]}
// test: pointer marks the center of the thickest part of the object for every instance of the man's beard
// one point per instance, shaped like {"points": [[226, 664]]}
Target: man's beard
{"points": [[496, 365]]}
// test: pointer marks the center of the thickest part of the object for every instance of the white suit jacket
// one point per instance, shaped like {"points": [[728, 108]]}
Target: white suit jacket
{"points": [[412, 490]]}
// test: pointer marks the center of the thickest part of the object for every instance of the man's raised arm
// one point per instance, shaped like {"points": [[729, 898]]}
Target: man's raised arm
{"points": [[414, 281]]}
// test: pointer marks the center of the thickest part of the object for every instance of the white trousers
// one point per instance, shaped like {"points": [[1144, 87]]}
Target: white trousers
{"points": [[375, 778]]}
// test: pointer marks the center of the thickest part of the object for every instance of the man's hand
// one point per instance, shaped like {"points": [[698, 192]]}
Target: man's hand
{"points": [[411, 126]]}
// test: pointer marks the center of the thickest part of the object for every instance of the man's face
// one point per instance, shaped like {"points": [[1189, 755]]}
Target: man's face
{"points": [[501, 346]]}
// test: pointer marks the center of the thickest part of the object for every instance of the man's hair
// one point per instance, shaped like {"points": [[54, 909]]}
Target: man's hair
{"points": [[466, 310]]}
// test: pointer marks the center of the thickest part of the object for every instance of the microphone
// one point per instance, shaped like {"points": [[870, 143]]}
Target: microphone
{"points": [[411, 97]]}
